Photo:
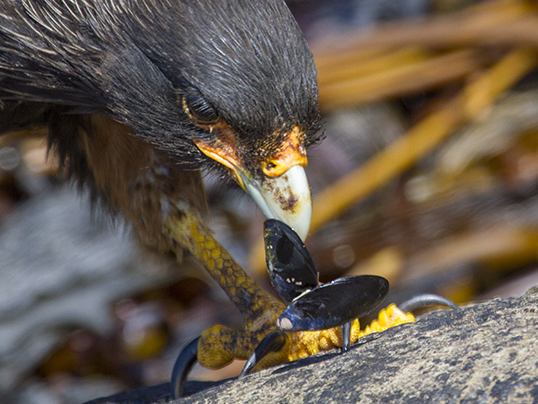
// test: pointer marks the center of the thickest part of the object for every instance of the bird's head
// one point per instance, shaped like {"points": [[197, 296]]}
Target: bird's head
{"points": [[245, 93], [229, 82]]}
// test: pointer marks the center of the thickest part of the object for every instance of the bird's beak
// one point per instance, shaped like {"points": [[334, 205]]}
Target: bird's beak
{"points": [[283, 192]]}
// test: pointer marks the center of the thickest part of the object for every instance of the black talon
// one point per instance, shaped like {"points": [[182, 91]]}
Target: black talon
{"points": [[273, 342], [421, 301], [184, 363], [346, 336]]}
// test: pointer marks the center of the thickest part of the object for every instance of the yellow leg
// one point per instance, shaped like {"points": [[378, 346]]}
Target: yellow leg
{"points": [[220, 345]]}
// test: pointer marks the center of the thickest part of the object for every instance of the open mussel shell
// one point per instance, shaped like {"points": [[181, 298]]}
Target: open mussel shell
{"points": [[289, 264], [334, 304]]}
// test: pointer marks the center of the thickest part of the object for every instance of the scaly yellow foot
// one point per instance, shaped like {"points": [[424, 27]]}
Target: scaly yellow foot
{"points": [[302, 344], [220, 345], [280, 346]]}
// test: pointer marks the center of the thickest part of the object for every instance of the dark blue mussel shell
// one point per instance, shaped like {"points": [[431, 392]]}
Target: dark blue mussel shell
{"points": [[334, 304], [295, 278], [289, 264]]}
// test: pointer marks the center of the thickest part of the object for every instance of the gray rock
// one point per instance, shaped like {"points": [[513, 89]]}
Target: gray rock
{"points": [[483, 353]]}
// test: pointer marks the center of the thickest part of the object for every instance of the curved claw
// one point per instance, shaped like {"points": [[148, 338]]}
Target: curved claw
{"points": [[273, 342], [346, 336], [184, 363], [421, 301]]}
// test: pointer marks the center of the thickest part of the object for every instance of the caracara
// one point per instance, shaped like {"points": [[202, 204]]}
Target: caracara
{"points": [[140, 95]]}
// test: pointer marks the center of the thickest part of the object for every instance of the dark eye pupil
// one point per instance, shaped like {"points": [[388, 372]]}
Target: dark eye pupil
{"points": [[200, 109]]}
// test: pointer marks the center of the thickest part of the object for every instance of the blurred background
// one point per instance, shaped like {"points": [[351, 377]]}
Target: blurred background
{"points": [[428, 175]]}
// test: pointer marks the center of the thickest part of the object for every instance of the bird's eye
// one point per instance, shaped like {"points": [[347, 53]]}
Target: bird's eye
{"points": [[199, 110]]}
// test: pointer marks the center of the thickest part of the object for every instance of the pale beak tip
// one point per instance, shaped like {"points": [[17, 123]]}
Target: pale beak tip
{"points": [[273, 199]]}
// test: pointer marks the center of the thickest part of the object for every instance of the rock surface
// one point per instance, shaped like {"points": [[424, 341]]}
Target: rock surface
{"points": [[483, 353]]}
